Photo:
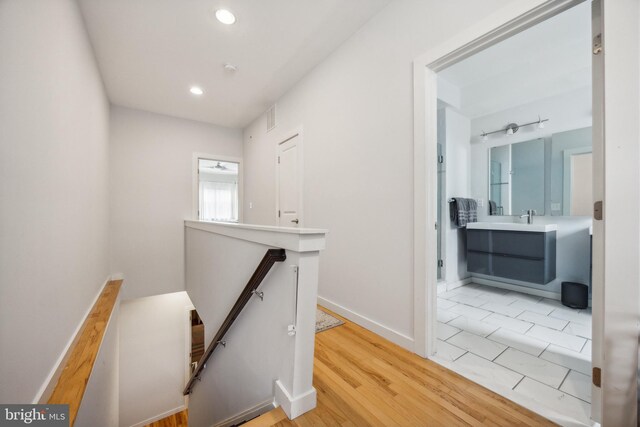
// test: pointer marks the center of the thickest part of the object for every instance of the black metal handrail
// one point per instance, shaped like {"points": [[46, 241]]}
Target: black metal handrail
{"points": [[271, 257]]}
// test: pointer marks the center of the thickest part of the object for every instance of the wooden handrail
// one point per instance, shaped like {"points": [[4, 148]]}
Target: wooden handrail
{"points": [[271, 257], [82, 355]]}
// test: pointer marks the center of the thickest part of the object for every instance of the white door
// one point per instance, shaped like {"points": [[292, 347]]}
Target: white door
{"points": [[289, 197], [615, 190]]}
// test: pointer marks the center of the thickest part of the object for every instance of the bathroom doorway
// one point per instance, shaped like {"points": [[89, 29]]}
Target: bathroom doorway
{"points": [[511, 130], [550, 203]]}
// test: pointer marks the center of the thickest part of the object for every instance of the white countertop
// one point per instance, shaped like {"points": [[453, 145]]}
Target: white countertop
{"points": [[512, 226]]}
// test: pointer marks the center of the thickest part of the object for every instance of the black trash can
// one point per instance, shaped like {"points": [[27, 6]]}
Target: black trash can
{"points": [[575, 295]]}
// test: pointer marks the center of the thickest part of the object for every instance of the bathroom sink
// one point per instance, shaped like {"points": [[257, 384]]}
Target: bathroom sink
{"points": [[512, 226]]}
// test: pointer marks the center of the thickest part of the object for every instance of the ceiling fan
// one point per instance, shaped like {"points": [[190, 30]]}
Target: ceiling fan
{"points": [[218, 166]]}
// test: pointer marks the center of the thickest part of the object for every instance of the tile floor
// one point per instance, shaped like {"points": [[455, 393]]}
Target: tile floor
{"points": [[533, 345]]}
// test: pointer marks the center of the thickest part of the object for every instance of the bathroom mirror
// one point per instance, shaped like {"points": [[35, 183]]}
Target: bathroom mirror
{"points": [[516, 178], [551, 175]]}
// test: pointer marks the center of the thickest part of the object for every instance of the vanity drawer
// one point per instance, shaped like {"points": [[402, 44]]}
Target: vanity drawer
{"points": [[479, 240], [518, 243], [479, 262], [515, 243], [523, 269]]}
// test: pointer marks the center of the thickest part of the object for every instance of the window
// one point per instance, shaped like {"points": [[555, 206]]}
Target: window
{"points": [[217, 190]]}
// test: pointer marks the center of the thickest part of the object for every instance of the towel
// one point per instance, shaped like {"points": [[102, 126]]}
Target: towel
{"points": [[463, 211], [473, 210], [493, 208]]}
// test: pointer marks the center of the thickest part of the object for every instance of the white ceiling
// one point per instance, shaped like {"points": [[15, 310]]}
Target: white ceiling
{"points": [[151, 51], [551, 58]]}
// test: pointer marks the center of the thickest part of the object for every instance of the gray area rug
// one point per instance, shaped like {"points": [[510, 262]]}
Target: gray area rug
{"points": [[326, 321]]}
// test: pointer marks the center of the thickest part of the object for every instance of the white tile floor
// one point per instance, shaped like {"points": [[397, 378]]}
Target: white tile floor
{"points": [[535, 346]]}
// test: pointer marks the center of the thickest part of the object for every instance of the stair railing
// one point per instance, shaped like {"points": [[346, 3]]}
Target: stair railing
{"points": [[271, 257]]}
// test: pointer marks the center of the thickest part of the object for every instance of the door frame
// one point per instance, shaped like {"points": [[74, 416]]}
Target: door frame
{"points": [[614, 316], [281, 139], [616, 270], [195, 194]]}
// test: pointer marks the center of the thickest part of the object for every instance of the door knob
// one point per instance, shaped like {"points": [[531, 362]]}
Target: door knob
{"points": [[295, 220]]}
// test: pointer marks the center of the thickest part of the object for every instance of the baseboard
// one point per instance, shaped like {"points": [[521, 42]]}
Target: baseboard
{"points": [[50, 382], [160, 416], [517, 288], [249, 414], [385, 332], [294, 406]]}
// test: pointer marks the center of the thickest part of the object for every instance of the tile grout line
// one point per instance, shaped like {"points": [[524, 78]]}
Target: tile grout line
{"points": [[543, 350], [564, 379], [465, 352], [566, 392], [446, 323], [521, 379], [583, 346], [447, 340], [507, 348]]}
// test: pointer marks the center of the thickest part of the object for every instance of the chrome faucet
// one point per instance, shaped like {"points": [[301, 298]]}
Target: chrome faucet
{"points": [[529, 215]]}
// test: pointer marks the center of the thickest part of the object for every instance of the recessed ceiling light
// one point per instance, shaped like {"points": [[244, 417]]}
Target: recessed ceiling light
{"points": [[196, 90], [225, 16]]}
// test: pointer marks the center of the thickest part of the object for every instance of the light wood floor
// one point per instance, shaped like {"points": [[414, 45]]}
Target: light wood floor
{"points": [[365, 380], [176, 420]]}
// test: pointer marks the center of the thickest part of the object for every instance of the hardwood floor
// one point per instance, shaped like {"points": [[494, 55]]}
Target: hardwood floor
{"points": [[180, 419], [363, 379]]}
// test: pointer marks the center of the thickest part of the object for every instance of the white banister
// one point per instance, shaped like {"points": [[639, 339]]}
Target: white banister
{"points": [[269, 353]]}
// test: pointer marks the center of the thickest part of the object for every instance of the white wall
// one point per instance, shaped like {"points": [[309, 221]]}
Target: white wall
{"points": [[151, 194], [457, 184], [571, 110], [356, 109], [153, 362], [53, 188]]}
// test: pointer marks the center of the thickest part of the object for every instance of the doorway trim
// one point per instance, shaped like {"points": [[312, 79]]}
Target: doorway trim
{"points": [[281, 139]]}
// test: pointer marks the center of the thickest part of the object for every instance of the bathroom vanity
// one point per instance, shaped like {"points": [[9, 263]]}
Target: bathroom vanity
{"points": [[523, 252]]}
